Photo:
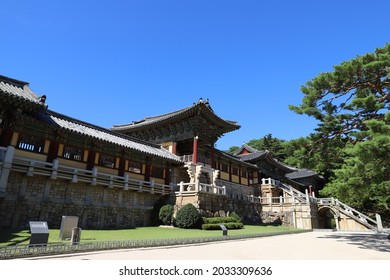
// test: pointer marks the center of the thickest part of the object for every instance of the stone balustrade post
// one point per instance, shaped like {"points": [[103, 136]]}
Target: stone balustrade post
{"points": [[126, 182], [94, 176], [74, 176], [307, 196], [152, 186], [54, 171], [30, 171], [7, 164], [181, 189], [379, 222]]}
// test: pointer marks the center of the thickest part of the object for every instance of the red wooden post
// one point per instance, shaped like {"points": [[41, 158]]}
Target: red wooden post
{"points": [[195, 150], [174, 147]]}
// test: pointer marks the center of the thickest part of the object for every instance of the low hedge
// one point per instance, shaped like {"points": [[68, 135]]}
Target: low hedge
{"points": [[220, 220], [227, 225]]}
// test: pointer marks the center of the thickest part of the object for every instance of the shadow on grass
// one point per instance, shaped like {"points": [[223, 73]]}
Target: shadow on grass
{"points": [[10, 237], [377, 242]]}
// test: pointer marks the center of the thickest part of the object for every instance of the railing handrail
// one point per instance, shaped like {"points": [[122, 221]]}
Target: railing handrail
{"points": [[200, 159], [349, 211], [66, 172], [354, 211]]}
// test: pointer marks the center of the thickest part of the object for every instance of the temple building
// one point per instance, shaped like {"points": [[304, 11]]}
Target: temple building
{"points": [[300, 178], [52, 165]]}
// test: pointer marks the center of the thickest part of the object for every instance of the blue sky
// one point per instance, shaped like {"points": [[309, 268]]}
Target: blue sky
{"points": [[113, 62]]}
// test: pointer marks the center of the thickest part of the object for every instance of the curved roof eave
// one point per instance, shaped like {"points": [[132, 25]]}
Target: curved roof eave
{"points": [[105, 135], [200, 105], [20, 91]]}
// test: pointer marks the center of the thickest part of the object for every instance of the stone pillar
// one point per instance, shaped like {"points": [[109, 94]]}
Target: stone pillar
{"points": [[307, 196], [379, 222], [76, 235], [336, 218], [7, 164]]}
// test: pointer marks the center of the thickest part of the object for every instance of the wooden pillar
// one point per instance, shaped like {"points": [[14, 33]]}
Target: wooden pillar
{"points": [[148, 167], [121, 167], [174, 148], [167, 178], [53, 151], [230, 171], [6, 137], [91, 159], [212, 155], [195, 150], [239, 174]]}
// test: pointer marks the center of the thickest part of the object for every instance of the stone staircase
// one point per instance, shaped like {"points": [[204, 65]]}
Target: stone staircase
{"points": [[335, 204]]}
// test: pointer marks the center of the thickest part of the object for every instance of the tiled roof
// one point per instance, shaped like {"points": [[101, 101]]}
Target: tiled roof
{"points": [[19, 90], [302, 173], [102, 134], [252, 156], [20, 93], [235, 158], [157, 119], [248, 148], [256, 154]]}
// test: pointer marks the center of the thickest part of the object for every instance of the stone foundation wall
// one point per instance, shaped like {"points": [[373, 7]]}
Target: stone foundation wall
{"points": [[216, 205], [40, 198], [303, 216]]}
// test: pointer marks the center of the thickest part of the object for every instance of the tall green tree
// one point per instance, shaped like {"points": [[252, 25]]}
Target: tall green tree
{"points": [[363, 180], [273, 144], [355, 92], [351, 105]]}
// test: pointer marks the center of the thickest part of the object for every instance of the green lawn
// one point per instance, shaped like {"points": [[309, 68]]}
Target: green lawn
{"points": [[8, 237]]}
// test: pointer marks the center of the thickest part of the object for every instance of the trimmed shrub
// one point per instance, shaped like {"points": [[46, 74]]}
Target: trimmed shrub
{"points": [[188, 217], [166, 214], [235, 216], [227, 225], [219, 220]]}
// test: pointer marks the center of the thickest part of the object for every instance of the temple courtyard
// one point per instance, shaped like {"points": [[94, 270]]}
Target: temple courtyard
{"points": [[316, 245]]}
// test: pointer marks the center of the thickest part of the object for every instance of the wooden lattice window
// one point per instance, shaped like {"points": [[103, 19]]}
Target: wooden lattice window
{"points": [[225, 167], [235, 171], [135, 167], [244, 174], [107, 161], [73, 153], [31, 143], [157, 172]]}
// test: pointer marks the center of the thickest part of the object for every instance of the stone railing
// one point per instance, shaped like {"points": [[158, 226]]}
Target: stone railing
{"points": [[55, 170], [201, 159], [3, 150], [187, 188], [352, 213]]}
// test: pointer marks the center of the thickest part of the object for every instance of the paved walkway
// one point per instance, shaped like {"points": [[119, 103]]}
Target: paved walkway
{"points": [[315, 245]]}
